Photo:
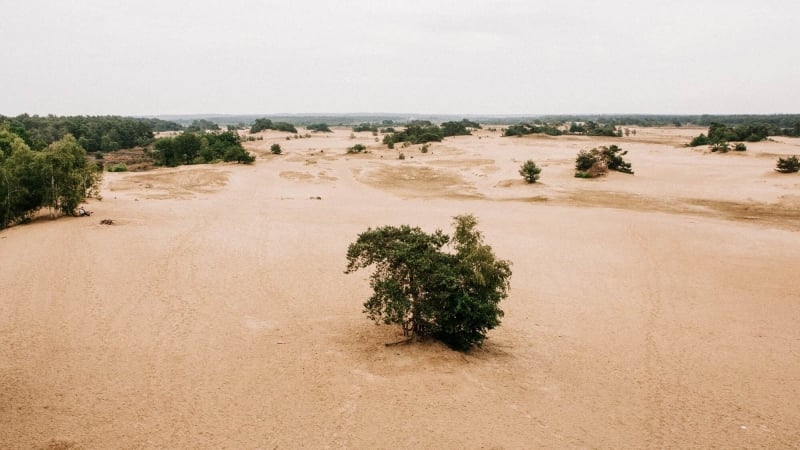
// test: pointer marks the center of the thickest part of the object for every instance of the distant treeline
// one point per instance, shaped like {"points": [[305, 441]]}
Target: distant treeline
{"points": [[776, 121], [93, 133]]}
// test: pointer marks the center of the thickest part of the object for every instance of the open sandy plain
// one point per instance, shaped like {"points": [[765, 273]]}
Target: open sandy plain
{"points": [[659, 310]]}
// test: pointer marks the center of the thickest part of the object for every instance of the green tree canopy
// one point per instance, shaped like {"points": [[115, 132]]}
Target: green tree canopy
{"points": [[453, 297]]}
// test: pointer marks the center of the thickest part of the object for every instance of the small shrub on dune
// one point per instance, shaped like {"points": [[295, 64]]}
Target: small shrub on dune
{"points": [[358, 148], [530, 172], [275, 149], [598, 161], [740, 147], [788, 165]]}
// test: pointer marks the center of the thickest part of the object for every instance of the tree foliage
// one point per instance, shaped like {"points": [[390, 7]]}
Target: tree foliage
{"points": [[453, 297], [423, 131], [192, 148], [529, 171], [59, 177], [320, 127], [267, 124], [788, 165], [719, 133], [599, 160], [93, 133], [199, 125], [522, 129]]}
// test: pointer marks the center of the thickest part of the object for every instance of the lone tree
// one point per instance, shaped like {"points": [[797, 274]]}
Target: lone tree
{"points": [[452, 297], [529, 171]]}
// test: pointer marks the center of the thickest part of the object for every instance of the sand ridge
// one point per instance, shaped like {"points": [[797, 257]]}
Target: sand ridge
{"points": [[646, 311]]}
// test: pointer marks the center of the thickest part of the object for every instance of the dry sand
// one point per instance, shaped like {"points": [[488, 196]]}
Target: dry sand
{"points": [[659, 310]]}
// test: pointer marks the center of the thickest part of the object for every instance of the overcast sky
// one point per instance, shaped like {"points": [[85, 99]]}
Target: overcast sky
{"points": [[422, 56]]}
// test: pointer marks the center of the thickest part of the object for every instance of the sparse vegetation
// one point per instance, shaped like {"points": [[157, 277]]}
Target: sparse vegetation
{"points": [[529, 171], [788, 165], [275, 149], [452, 297], [597, 161], [119, 167]]}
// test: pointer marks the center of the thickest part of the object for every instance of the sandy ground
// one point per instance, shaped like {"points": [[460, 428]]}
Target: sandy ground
{"points": [[658, 310]]}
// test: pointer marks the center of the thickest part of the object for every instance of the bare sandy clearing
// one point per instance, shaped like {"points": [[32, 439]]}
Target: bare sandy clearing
{"points": [[654, 310]]}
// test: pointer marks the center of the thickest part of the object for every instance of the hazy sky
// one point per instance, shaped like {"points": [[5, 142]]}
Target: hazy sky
{"points": [[426, 56]]}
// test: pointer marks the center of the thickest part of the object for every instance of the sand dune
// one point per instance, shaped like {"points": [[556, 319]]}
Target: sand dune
{"points": [[658, 310]]}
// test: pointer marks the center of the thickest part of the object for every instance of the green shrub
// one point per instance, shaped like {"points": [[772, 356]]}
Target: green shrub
{"points": [[597, 161], [788, 165], [119, 167], [721, 147], [740, 147], [319, 127], [275, 149], [358, 148], [699, 140], [529, 171]]}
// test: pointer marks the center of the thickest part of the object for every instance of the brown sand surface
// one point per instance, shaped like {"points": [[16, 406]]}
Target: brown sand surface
{"points": [[658, 310]]}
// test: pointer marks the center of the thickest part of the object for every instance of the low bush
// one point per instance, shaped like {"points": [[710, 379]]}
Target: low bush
{"points": [[788, 165], [358, 148], [597, 161], [275, 149]]}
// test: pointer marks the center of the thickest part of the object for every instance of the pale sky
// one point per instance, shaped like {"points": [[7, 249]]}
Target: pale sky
{"points": [[420, 56]]}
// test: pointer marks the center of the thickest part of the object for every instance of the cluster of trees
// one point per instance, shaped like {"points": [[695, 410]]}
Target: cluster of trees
{"points": [[522, 129], [719, 133], [192, 148], [59, 177], [599, 160], [266, 124], [319, 127], [93, 133], [199, 125], [423, 131], [452, 297], [366, 126], [589, 128], [592, 128]]}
